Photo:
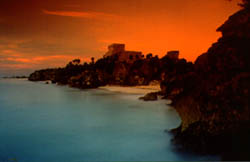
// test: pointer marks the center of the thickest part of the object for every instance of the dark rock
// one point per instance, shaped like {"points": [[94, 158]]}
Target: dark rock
{"points": [[53, 81], [42, 75], [120, 73], [150, 97], [213, 98], [231, 144], [86, 80]]}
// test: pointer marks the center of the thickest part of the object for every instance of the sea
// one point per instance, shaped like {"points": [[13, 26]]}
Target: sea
{"points": [[50, 123]]}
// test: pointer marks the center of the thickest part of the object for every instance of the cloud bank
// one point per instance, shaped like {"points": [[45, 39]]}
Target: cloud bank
{"points": [[85, 15]]}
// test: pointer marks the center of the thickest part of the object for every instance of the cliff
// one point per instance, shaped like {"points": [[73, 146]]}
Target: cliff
{"points": [[213, 98]]}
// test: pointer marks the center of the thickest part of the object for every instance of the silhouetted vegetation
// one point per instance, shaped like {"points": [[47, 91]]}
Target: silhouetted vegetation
{"points": [[109, 70], [245, 4]]}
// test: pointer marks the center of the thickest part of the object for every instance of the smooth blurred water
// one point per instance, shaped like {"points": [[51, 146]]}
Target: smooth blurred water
{"points": [[50, 123]]}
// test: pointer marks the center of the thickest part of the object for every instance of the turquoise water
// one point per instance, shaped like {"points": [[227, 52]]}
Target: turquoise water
{"points": [[50, 123]]}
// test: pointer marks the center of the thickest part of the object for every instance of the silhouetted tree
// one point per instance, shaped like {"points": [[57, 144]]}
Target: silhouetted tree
{"points": [[85, 64], [245, 4], [76, 61], [92, 60], [69, 64], [149, 56]]}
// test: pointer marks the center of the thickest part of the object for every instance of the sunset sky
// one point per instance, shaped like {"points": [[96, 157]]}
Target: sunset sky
{"points": [[37, 34]]}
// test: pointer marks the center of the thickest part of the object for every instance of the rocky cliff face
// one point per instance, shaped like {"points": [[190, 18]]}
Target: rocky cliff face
{"points": [[86, 80], [213, 98]]}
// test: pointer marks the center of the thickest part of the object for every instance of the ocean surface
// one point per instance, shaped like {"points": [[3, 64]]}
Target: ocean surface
{"points": [[49, 123]]}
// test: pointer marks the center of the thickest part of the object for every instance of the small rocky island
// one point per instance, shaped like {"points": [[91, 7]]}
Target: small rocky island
{"points": [[210, 95]]}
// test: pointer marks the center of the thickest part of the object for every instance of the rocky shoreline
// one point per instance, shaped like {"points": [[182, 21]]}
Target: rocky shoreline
{"points": [[211, 95], [213, 98]]}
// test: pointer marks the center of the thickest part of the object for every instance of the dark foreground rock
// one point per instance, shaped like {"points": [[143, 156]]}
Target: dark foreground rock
{"points": [[230, 144], [213, 98], [150, 97]]}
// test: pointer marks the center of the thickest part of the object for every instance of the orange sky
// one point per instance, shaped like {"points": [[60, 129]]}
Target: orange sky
{"points": [[50, 33]]}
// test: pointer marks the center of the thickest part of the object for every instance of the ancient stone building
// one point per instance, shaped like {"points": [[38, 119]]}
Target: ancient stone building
{"points": [[118, 51], [173, 54]]}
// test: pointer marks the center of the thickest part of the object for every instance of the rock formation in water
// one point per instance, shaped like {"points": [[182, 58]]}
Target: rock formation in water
{"points": [[43, 75], [150, 97], [213, 97]]}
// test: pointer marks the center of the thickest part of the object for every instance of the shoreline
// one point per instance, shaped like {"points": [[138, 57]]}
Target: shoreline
{"points": [[140, 90]]}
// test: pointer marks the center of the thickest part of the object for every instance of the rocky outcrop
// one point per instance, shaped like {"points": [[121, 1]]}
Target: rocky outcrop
{"points": [[178, 81], [120, 73], [86, 80], [213, 98], [42, 75], [150, 97]]}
